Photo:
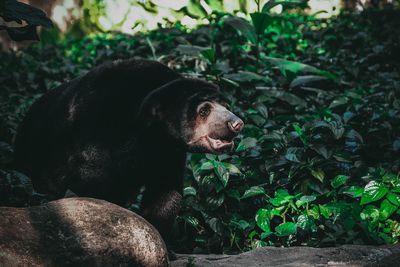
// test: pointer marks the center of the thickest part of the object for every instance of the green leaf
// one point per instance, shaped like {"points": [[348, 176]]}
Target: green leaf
{"points": [[209, 54], [241, 224], [321, 149], [386, 209], [319, 174], [253, 191], [246, 143], [292, 154], [260, 22], [306, 223], [354, 191], [373, 191], [285, 3], [325, 211], [215, 225], [339, 180], [231, 168], [189, 191], [215, 201], [337, 129], [296, 67], [244, 27], [370, 213], [285, 229], [306, 79], [191, 50], [313, 212], [281, 197], [262, 219], [247, 76], [289, 98], [208, 165], [342, 100], [222, 173], [394, 198], [307, 199]]}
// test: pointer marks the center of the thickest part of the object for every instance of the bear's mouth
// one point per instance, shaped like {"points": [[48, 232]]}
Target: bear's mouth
{"points": [[219, 144]]}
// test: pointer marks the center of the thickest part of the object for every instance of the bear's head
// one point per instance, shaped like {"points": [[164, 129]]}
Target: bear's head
{"points": [[193, 113]]}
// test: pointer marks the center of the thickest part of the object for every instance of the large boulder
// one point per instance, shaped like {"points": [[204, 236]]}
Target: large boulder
{"points": [[78, 232], [349, 255]]}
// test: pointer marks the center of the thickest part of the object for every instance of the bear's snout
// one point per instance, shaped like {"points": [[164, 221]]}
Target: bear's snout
{"points": [[235, 125]]}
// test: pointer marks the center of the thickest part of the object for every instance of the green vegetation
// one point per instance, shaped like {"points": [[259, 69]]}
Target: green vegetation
{"points": [[318, 161]]}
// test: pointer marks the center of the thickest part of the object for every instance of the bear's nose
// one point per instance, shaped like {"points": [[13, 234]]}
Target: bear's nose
{"points": [[236, 125]]}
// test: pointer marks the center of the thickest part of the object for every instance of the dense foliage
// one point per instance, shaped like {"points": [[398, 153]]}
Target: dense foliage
{"points": [[319, 159]]}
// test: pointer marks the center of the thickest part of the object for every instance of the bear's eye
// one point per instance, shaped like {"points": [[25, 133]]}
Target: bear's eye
{"points": [[204, 111]]}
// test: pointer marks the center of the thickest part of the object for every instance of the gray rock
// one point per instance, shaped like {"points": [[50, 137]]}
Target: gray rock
{"points": [[78, 232], [349, 255]]}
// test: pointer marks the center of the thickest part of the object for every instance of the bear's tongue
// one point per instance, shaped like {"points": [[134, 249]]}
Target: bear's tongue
{"points": [[218, 144]]}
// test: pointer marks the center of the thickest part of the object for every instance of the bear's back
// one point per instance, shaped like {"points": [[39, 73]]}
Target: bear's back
{"points": [[109, 96], [98, 107]]}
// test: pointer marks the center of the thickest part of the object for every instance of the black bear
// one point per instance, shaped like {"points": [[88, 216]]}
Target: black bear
{"points": [[123, 125]]}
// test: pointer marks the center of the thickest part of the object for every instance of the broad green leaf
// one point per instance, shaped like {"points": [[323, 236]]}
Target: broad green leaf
{"points": [[247, 76], [339, 180], [337, 129], [302, 221], [253, 191], [262, 219], [319, 174], [370, 213], [286, 65], [209, 54], [190, 220], [244, 27], [262, 109], [189, 191], [260, 21], [231, 168], [342, 100], [354, 191], [293, 154], [191, 50], [285, 3], [305, 222], [241, 224], [313, 212], [394, 198], [215, 201], [285, 229], [234, 193], [246, 143], [208, 165], [373, 191], [289, 98], [321, 149], [215, 225], [281, 197], [386, 209], [307, 199], [306, 79], [222, 172], [324, 211]]}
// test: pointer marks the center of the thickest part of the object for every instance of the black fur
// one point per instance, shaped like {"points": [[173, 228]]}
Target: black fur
{"points": [[107, 133]]}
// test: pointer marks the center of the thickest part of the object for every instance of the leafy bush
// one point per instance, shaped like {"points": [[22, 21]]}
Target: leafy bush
{"points": [[318, 161]]}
